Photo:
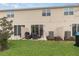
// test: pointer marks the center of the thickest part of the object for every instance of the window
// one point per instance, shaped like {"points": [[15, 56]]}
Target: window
{"points": [[67, 34], [37, 29], [71, 13], [75, 28], [68, 11], [43, 14], [46, 12], [17, 29], [51, 33], [10, 14]]}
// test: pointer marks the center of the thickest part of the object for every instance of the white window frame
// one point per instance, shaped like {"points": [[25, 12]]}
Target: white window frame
{"points": [[68, 10], [46, 11], [10, 13]]}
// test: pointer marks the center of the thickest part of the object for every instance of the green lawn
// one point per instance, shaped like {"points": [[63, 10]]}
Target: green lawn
{"points": [[41, 48]]}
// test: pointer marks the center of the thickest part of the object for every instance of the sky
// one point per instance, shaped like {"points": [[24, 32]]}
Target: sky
{"points": [[29, 5]]}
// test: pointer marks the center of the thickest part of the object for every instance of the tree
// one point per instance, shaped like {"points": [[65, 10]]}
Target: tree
{"points": [[5, 32]]}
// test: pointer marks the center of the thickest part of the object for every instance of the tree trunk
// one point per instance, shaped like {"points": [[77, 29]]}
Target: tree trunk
{"points": [[0, 47], [3, 45]]}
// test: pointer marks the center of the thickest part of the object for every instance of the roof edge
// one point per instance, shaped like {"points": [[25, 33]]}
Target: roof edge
{"points": [[40, 8]]}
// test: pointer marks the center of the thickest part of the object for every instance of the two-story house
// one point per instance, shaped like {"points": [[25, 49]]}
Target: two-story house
{"points": [[60, 20]]}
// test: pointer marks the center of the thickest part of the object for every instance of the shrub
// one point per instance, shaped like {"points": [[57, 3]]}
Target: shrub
{"points": [[27, 35], [58, 38], [34, 36], [5, 32], [50, 38], [69, 39]]}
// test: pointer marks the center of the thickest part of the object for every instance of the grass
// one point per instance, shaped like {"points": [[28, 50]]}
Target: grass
{"points": [[41, 48]]}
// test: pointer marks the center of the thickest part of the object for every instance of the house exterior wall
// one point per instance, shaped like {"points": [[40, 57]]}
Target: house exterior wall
{"points": [[57, 22]]}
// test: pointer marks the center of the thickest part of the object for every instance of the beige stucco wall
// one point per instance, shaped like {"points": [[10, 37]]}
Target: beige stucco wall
{"points": [[57, 22]]}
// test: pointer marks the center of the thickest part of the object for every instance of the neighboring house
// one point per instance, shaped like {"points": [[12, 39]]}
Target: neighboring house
{"points": [[60, 20]]}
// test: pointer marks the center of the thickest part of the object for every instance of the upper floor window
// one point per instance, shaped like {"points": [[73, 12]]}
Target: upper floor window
{"points": [[68, 11], [10, 14], [46, 12]]}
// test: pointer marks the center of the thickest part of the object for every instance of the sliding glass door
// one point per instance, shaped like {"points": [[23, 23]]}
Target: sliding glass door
{"points": [[37, 29], [17, 30]]}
